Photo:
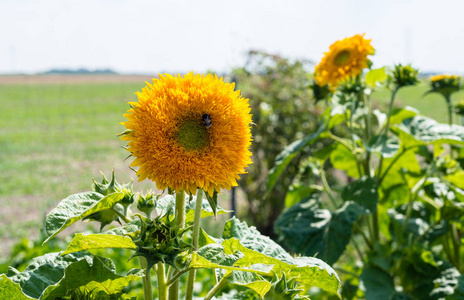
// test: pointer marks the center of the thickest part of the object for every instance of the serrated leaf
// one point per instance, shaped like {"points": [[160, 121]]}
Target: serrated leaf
{"points": [[76, 207], [250, 280], [375, 75], [98, 241], [377, 283], [421, 130], [10, 289], [309, 271], [309, 230], [95, 275], [285, 157], [364, 192], [44, 271]]}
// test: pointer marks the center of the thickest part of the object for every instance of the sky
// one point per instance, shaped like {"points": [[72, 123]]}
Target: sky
{"points": [[148, 37]]}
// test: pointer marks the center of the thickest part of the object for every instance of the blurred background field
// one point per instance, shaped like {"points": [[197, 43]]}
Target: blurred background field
{"points": [[62, 129]]}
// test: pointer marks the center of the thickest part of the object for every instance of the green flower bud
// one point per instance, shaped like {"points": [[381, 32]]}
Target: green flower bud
{"points": [[146, 203], [108, 187], [459, 108], [160, 240], [404, 76]]}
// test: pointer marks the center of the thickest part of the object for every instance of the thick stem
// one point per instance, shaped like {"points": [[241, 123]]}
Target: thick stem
{"points": [[180, 220], [162, 288], [387, 126], [147, 291], [450, 109], [216, 288], [195, 237]]}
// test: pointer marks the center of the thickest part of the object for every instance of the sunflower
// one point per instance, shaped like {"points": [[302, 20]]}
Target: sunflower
{"points": [[189, 132], [445, 84], [346, 58]]}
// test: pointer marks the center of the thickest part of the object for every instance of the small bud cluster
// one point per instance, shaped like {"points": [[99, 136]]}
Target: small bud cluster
{"points": [[161, 240]]}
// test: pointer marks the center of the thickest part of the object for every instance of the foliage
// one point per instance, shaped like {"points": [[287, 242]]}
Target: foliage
{"points": [[394, 230], [278, 93], [233, 258]]}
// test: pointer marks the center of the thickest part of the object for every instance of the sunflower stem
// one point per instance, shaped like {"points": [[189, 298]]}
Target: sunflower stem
{"points": [[216, 288], [180, 218], [162, 288], [147, 291], [195, 237]]}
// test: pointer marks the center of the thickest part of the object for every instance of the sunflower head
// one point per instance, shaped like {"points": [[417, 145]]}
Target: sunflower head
{"points": [[346, 58], [189, 132], [445, 84]]}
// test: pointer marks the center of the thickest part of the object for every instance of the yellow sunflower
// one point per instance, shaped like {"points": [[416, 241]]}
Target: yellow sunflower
{"points": [[189, 132], [346, 58]]}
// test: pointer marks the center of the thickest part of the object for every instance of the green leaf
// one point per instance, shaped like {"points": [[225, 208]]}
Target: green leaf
{"points": [[377, 283], [343, 159], [241, 295], [213, 202], [421, 130], [375, 75], [258, 254], [167, 204], [364, 192], [403, 172], [250, 280], [399, 115], [252, 239], [96, 275], [126, 229], [44, 271], [307, 229], [386, 146], [76, 207], [299, 192], [285, 157], [98, 241], [10, 289], [458, 290]]}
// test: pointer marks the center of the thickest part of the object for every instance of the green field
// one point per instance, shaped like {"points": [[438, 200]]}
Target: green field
{"points": [[54, 138]]}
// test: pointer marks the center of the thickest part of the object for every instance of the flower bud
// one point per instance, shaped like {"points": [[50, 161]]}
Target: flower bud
{"points": [[404, 76]]}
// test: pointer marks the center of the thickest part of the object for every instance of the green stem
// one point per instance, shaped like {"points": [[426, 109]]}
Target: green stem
{"points": [[450, 109], [456, 246], [327, 189], [162, 288], [176, 277], [147, 291], [123, 217], [180, 220], [216, 288], [195, 237], [387, 126]]}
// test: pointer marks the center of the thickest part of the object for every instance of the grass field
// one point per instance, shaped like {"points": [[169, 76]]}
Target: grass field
{"points": [[55, 136]]}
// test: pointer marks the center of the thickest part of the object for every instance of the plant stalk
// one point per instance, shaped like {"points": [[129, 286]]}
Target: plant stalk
{"points": [[162, 288], [195, 237], [387, 126], [216, 288], [450, 109], [147, 291], [180, 220]]}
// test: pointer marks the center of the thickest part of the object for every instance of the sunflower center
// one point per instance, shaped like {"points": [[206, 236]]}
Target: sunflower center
{"points": [[193, 135], [342, 57]]}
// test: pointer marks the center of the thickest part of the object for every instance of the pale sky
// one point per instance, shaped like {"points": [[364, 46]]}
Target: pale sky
{"points": [[148, 37]]}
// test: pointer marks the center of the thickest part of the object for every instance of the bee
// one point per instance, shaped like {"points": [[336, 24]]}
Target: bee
{"points": [[207, 119]]}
